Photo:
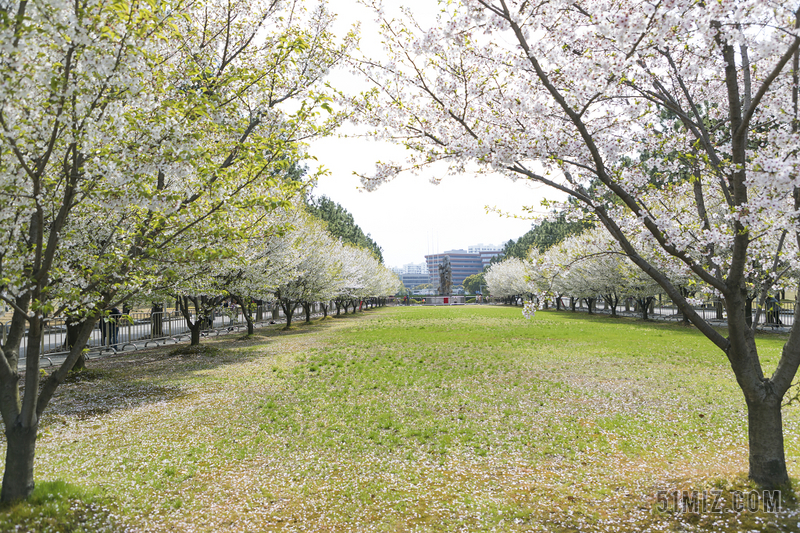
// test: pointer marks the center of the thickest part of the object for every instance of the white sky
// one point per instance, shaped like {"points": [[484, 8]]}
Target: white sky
{"points": [[410, 217]]}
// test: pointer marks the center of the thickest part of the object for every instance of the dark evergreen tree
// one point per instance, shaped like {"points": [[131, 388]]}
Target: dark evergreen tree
{"points": [[541, 236], [341, 224]]}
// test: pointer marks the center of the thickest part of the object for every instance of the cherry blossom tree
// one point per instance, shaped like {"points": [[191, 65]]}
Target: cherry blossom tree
{"points": [[592, 266], [509, 280], [573, 95], [258, 270], [130, 131], [367, 278], [311, 251]]}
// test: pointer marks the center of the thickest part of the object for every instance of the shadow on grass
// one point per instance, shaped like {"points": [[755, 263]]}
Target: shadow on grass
{"points": [[635, 320], [132, 379], [60, 506], [726, 505]]}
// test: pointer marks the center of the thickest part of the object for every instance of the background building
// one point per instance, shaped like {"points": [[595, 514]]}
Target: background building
{"points": [[486, 251], [412, 280], [462, 263], [412, 274], [478, 248]]}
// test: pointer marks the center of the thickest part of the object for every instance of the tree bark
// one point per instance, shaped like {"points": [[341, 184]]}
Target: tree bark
{"points": [[288, 311], [195, 333], [612, 301], [157, 320], [765, 435], [194, 327], [73, 330], [18, 478], [644, 306], [247, 313]]}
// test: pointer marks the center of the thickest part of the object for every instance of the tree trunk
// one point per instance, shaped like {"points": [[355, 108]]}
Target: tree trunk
{"points": [[611, 303], [765, 431], [21, 448], [572, 303], [73, 330], [590, 304], [644, 305], [195, 331], [196, 326], [325, 310], [247, 313], [307, 311], [288, 312], [80, 364], [748, 312], [156, 321], [22, 421]]}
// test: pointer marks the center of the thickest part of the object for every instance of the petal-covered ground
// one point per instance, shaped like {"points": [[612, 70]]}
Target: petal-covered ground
{"points": [[411, 419]]}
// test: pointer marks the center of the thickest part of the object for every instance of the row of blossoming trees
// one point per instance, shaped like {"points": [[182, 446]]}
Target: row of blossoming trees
{"points": [[591, 266], [144, 151], [292, 261]]}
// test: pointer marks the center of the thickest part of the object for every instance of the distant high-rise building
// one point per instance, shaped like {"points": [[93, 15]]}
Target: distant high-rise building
{"points": [[412, 274], [462, 264], [412, 280], [477, 248], [415, 268], [486, 251]]}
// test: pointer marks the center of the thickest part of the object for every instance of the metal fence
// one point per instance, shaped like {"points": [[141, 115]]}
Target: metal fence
{"points": [[775, 315], [140, 329]]}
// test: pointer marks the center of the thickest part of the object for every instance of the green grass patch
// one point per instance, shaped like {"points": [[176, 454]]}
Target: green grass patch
{"points": [[57, 506], [420, 419]]}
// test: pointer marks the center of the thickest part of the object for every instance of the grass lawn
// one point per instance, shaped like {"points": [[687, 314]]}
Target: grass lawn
{"points": [[423, 419]]}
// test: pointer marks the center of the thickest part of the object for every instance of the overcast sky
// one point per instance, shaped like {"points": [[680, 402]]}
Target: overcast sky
{"points": [[410, 217]]}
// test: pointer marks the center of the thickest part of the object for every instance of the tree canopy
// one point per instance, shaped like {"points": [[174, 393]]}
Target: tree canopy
{"points": [[472, 284], [341, 224], [541, 236]]}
